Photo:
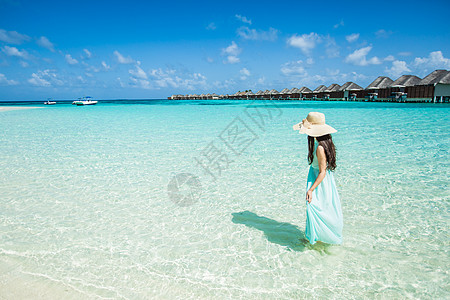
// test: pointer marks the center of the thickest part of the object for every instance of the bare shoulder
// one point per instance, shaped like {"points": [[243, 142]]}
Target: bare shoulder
{"points": [[320, 152]]}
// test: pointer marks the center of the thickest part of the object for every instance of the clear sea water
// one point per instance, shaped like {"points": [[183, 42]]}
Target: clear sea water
{"points": [[87, 211]]}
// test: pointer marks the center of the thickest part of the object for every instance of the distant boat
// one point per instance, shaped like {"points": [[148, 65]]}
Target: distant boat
{"points": [[49, 102], [84, 101]]}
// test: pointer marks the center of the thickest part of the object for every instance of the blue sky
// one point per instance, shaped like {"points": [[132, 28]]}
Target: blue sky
{"points": [[152, 49]]}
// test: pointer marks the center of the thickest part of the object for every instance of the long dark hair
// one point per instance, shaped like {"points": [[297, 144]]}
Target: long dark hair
{"points": [[330, 151]]}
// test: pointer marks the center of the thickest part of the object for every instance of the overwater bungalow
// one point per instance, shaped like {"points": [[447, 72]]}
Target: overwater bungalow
{"points": [[320, 88], [379, 88], [284, 94], [274, 94], [250, 95], [294, 93], [331, 93], [318, 92], [399, 88], [259, 95], [435, 87], [352, 91], [305, 92]]}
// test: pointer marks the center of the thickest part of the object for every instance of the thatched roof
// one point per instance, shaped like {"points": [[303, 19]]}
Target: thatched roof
{"points": [[437, 76], [260, 92], [274, 91], [406, 80], [293, 91], [350, 86], [266, 92], [320, 88], [305, 90], [445, 79], [380, 83], [332, 88], [249, 93], [284, 91]]}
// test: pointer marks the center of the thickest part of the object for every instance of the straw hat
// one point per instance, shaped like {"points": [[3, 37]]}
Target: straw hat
{"points": [[314, 125]]}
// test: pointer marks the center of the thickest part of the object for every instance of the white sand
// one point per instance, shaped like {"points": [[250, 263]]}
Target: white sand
{"points": [[6, 108]]}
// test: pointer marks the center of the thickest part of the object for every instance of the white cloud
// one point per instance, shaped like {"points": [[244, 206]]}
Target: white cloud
{"points": [[306, 42], [358, 57], [88, 53], [13, 51], [122, 84], [253, 34], [293, 68], [389, 58], [45, 78], [244, 19], [6, 81], [13, 37], [309, 61], [231, 59], [81, 79], [232, 52], [245, 73], [70, 60], [383, 33], [105, 66], [434, 60], [140, 83], [333, 72], [405, 53], [170, 78], [337, 76], [398, 68], [332, 49], [233, 49], [352, 37], [123, 60], [209, 59], [44, 42], [90, 68], [211, 26], [23, 63], [38, 81], [226, 84], [341, 23], [138, 73]]}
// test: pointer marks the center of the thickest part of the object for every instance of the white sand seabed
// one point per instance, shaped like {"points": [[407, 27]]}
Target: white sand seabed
{"points": [[6, 108]]}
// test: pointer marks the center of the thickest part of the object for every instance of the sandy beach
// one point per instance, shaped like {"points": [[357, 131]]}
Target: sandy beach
{"points": [[7, 108]]}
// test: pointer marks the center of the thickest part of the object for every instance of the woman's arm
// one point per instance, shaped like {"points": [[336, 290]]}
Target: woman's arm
{"points": [[321, 157]]}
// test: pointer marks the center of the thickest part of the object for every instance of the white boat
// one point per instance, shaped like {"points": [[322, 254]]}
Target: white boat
{"points": [[84, 101], [49, 102]]}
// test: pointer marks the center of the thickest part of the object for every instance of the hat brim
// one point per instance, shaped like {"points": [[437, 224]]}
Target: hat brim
{"points": [[314, 130]]}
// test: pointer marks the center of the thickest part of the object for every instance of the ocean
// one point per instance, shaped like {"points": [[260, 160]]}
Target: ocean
{"points": [[206, 200]]}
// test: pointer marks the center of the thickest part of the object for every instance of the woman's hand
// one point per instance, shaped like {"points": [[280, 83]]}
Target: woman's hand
{"points": [[309, 196]]}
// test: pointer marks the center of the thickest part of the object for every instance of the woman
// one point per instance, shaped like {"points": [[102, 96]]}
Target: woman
{"points": [[324, 219]]}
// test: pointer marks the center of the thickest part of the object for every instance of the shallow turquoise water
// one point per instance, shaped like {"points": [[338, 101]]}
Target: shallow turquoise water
{"points": [[85, 209]]}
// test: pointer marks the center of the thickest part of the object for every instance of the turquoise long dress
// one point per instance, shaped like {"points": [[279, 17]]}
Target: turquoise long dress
{"points": [[324, 220]]}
